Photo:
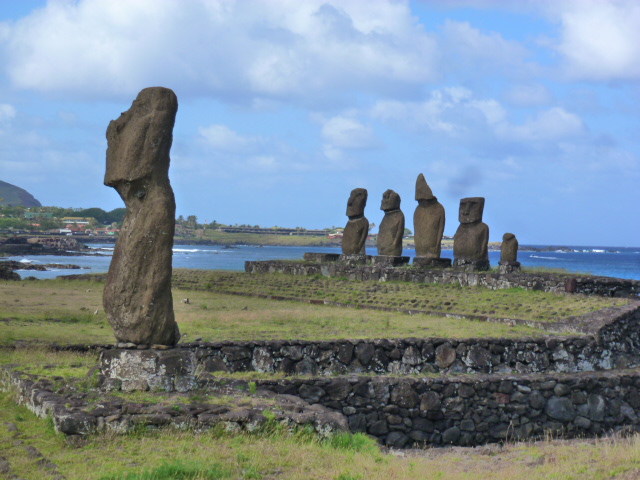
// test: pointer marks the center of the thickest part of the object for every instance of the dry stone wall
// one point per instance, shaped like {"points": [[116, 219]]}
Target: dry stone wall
{"points": [[548, 282], [478, 409]]}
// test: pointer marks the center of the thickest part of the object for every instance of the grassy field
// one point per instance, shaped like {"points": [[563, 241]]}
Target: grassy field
{"points": [[508, 303], [38, 312], [71, 312], [31, 449]]}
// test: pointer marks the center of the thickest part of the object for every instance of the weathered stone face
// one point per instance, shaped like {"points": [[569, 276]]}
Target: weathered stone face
{"points": [[428, 222], [470, 243], [392, 225], [509, 248], [357, 202], [357, 228], [137, 295], [390, 201], [471, 210]]}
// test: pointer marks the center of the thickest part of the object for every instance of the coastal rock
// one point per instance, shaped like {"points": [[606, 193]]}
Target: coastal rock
{"points": [[137, 295]]}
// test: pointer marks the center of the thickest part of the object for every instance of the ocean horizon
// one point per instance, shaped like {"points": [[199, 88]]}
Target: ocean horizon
{"points": [[616, 262]]}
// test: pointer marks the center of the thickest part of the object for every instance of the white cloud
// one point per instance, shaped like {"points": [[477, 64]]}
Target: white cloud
{"points": [[237, 50], [455, 112], [547, 126], [348, 133], [224, 139], [600, 40], [475, 54], [528, 95], [7, 112]]}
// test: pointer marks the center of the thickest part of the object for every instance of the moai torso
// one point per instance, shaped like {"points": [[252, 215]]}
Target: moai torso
{"points": [[137, 294], [392, 225], [357, 228], [472, 237], [428, 222], [509, 248]]}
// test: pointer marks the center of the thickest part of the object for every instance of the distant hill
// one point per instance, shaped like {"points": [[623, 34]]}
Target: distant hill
{"points": [[12, 195]]}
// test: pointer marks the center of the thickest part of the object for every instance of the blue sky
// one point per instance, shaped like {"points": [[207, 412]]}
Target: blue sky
{"points": [[287, 105]]}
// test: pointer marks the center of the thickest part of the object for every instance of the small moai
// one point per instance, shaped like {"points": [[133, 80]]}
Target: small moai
{"points": [[471, 241], [509, 254], [391, 232], [428, 227], [357, 228], [137, 295]]}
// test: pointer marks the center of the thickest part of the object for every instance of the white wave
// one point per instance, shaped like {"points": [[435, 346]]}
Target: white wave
{"points": [[546, 258], [187, 250], [597, 250], [25, 260]]}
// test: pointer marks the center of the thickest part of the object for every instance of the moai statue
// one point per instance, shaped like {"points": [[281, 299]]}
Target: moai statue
{"points": [[428, 226], [471, 241], [357, 229], [392, 225], [137, 295], [509, 254]]}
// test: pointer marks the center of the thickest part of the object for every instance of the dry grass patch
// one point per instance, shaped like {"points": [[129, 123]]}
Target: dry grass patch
{"points": [[445, 299], [65, 312], [284, 455]]}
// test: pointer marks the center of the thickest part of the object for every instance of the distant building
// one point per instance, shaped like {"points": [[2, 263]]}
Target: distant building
{"points": [[77, 221], [37, 215]]}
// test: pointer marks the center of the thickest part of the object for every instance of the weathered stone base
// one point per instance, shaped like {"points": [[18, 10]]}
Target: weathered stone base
{"points": [[399, 412], [509, 267], [74, 411], [465, 265], [167, 370], [389, 260], [321, 257], [424, 262], [354, 259]]}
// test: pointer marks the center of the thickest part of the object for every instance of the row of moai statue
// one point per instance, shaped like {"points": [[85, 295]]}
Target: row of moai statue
{"points": [[470, 242]]}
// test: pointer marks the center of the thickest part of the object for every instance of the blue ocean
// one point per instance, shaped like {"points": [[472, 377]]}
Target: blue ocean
{"points": [[618, 262]]}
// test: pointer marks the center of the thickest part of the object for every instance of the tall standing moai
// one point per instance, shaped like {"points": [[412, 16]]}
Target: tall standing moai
{"points": [[357, 228], [509, 254], [471, 241], [390, 233], [392, 225], [137, 295], [428, 226]]}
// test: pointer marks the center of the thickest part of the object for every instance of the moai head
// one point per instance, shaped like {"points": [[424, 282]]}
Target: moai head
{"points": [[139, 141], [390, 201], [357, 202], [471, 209], [423, 192]]}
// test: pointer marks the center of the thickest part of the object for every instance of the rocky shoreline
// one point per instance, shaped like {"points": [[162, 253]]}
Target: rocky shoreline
{"points": [[8, 268]]}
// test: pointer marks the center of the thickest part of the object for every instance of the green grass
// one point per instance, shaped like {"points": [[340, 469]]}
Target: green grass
{"points": [[71, 312], [283, 455], [508, 303], [63, 311]]}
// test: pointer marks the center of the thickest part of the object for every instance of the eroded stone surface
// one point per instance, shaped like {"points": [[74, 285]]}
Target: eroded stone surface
{"points": [[137, 294], [428, 221], [357, 228], [392, 225], [471, 240]]}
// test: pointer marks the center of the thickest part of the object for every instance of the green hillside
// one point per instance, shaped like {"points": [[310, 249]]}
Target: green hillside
{"points": [[12, 195]]}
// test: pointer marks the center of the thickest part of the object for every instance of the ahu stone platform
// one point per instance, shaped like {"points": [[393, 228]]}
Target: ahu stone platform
{"points": [[548, 282]]}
